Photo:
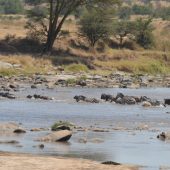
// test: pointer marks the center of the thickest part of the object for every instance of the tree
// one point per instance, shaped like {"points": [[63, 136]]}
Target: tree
{"points": [[11, 6], [124, 12], [58, 12], [142, 9], [95, 26], [143, 33], [123, 29]]}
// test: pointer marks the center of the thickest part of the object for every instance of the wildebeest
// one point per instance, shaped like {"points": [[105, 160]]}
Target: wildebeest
{"points": [[85, 99], [167, 101]]}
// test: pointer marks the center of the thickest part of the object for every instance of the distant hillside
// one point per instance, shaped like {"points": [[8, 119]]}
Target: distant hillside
{"points": [[155, 3]]}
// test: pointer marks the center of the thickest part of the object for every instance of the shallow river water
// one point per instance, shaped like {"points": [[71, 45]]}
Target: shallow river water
{"points": [[124, 146]]}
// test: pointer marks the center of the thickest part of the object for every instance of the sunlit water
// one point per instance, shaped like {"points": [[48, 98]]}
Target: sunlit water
{"points": [[126, 146]]}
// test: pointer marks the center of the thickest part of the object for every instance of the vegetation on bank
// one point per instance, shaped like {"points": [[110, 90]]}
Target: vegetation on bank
{"points": [[25, 65]]}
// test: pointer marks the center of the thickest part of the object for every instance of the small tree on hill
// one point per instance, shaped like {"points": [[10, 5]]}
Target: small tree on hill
{"points": [[95, 26], [144, 33]]}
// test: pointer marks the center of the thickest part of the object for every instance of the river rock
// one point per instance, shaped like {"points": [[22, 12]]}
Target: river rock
{"points": [[38, 129], [82, 83], [9, 128], [9, 142], [19, 131], [57, 136], [164, 136], [146, 104]]}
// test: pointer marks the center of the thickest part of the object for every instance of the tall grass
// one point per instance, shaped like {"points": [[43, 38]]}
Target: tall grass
{"points": [[26, 65]]}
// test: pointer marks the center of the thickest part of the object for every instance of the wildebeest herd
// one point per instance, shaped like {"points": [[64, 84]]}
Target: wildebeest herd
{"points": [[120, 98]]}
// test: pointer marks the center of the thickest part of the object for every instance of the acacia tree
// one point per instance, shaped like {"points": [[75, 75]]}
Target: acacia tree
{"points": [[95, 26], [59, 10], [144, 32]]}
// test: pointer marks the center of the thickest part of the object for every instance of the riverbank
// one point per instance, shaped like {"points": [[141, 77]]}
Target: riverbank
{"points": [[53, 80], [11, 161]]}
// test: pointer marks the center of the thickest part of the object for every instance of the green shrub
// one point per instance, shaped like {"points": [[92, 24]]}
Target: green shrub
{"points": [[11, 6], [144, 33], [95, 26], [56, 126]]}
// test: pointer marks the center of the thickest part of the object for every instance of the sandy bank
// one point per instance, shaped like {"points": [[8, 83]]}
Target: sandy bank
{"points": [[10, 161]]}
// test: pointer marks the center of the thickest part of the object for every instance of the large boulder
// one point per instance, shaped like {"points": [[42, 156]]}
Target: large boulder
{"points": [[57, 136]]}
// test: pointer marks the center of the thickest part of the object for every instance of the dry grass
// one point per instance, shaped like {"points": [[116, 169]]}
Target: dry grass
{"points": [[27, 65], [12, 26], [75, 48]]}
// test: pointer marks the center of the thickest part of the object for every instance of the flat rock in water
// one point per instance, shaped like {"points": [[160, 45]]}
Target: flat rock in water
{"points": [[19, 131], [9, 142], [11, 126], [62, 135]]}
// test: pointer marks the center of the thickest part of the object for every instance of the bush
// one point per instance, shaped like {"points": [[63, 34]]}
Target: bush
{"points": [[38, 12], [163, 13], [11, 6], [95, 26], [124, 13], [144, 33], [62, 125], [142, 10]]}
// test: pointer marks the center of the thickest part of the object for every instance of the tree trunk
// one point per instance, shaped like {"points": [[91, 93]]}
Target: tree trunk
{"points": [[121, 42], [50, 41]]}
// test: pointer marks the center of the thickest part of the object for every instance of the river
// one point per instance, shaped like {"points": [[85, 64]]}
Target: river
{"points": [[129, 145]]}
